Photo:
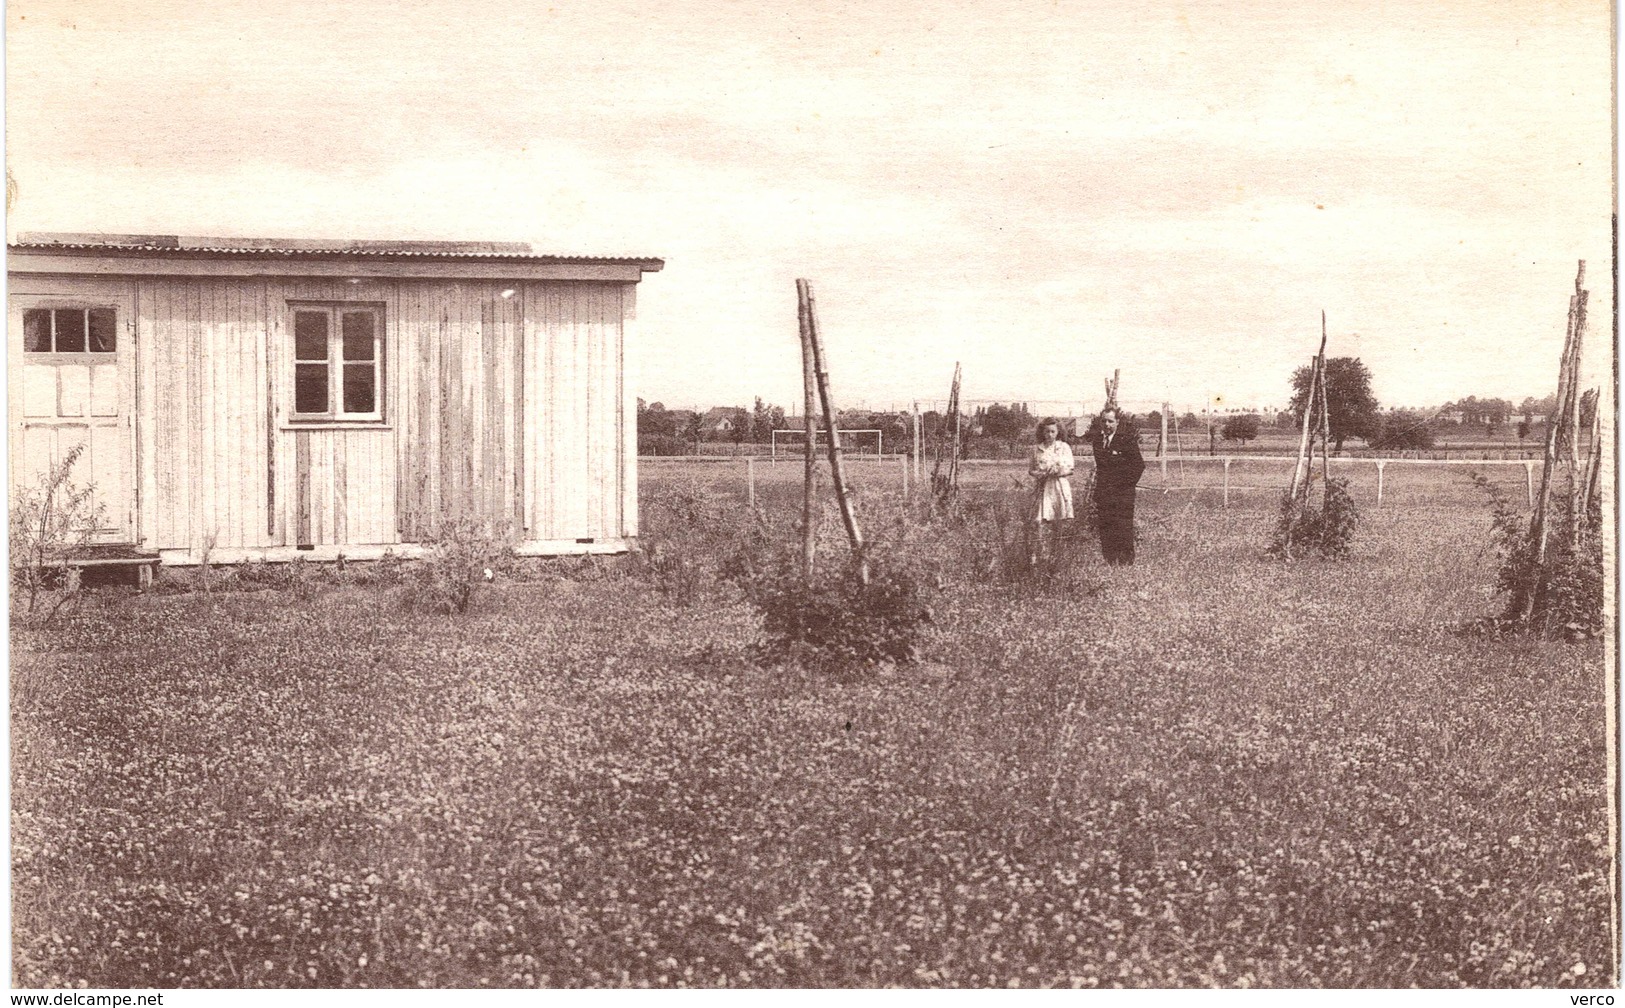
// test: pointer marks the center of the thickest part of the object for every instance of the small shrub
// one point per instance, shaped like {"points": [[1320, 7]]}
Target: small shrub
{"points": [[298, 576], [1567, 593], [463, 555], [995, 536], [387, 569], [675, 572], [1302, 529], [834, 620], [257, 573], [205, 568], [48, 521], [688, 527], [222, 577]]}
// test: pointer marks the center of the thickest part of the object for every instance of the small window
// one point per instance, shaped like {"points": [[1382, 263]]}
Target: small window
{"points": [[70, 330], [338, 361]]}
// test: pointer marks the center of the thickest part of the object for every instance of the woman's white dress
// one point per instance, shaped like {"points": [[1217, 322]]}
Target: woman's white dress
{"points": [[1049, 467]]}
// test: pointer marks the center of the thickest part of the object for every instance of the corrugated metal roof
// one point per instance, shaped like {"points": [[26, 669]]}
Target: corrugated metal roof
{"points": [[171, 244]]}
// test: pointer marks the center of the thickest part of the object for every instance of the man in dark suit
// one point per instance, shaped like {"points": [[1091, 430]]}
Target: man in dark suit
{"points": [[1118, 466]]}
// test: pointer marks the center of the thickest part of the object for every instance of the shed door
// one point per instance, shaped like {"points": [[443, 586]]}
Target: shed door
{"points": [[70, 387]]}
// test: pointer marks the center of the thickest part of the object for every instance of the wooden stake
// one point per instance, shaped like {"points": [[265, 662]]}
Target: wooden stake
{"points": [[1576, 480], [1593, 470], [1523, 608], [946, 484], [916, 461], [809, 392], [837, 470], [953, 453], [1162, 447], [1325, 423], [1299, 470]]}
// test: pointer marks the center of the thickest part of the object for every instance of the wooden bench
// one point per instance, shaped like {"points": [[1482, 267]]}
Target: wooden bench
{"points": [[144, 565]]}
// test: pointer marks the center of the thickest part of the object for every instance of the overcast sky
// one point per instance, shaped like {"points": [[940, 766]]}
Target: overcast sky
{"points": [[1043, 191]]}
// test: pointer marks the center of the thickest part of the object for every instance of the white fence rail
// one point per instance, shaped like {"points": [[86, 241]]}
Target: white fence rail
{"points": [[911, 472], [1382, 465]]}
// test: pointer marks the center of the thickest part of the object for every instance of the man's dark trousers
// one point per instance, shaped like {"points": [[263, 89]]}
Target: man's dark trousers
{"points": [[1117, 535]]}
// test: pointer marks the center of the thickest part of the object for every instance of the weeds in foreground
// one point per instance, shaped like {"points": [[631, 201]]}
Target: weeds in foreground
{"points": [[688, 527], [1566, 593], [464, 554], [1329, 531], [833, 619], [48, 521], [561, 796]]}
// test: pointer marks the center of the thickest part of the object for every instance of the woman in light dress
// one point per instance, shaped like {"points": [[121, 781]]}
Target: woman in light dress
{"points": [[1050, 466]]}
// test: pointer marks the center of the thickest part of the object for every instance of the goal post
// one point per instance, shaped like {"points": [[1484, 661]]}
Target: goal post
{"points": [[796, 436]]}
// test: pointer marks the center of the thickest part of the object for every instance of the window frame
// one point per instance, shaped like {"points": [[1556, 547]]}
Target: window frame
{"points": [[336, 363], [84, 356]]}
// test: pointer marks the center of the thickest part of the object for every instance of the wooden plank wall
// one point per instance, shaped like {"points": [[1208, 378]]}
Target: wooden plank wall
{"points": [[335, 484], [509, 409], [625, 365], [219, 451], [574, 464], [458, 405]]}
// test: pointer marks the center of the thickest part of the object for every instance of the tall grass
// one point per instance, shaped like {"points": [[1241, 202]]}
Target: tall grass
{"points": [[1203, 770]]}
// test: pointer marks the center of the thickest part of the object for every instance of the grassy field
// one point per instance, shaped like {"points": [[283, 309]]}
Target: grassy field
{"points": [[1205, 770]]}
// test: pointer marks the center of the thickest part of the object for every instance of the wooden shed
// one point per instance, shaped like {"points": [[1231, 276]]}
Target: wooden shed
{"points": [[273, 399]]}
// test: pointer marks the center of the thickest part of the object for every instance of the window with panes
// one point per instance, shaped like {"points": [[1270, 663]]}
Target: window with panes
{"points": [[338, 362], [70, 331]]}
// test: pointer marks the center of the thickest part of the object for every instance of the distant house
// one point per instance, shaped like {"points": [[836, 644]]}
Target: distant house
{"points": [[722, 420], [257, 398]]}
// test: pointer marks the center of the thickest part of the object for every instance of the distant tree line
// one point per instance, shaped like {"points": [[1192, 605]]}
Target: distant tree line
{"points": [[997, 431], [1003, 430]]}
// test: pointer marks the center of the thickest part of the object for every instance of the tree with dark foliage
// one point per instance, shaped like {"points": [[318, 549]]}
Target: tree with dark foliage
{"points": [[1242, 427], [1001, 421], [1351, 407], [1404, 430]]}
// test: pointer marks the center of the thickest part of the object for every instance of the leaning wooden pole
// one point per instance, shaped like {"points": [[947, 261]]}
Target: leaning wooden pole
{"points": [[809, 394], [944, 485], [953, 448], [1593, 468], [836, 469], [1577, 400], [1299, 471], [1524, 608], [1300, 474], [1325, 423]]}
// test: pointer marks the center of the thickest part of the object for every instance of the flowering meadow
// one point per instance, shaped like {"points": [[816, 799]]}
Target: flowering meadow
{"points": [[1210, 769]]}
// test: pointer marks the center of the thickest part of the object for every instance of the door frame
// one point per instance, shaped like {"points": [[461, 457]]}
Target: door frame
{"points": [[36, 291]]}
